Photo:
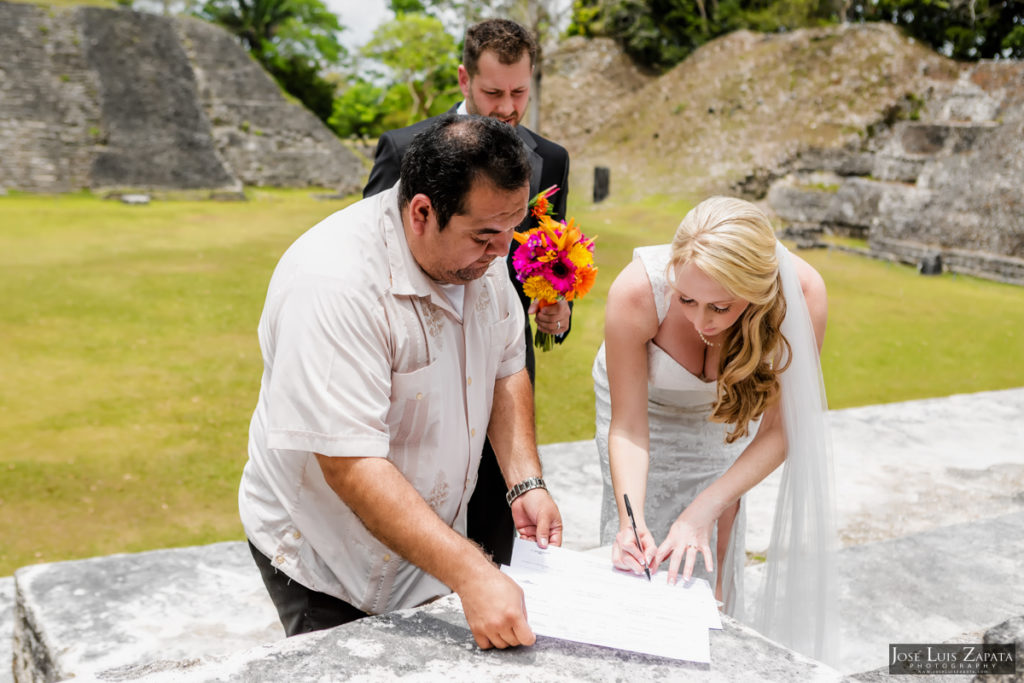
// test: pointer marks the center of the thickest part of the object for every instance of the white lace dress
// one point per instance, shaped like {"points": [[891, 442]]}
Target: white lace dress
{"points": [[687, 452]]}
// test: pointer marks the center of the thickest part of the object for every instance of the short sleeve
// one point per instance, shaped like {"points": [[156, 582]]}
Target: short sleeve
{"points": [[331, 379], [510, 330]]}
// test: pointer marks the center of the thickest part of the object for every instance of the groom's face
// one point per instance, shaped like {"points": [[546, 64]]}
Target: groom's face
{"points": [[465, 248], [498, 90]]}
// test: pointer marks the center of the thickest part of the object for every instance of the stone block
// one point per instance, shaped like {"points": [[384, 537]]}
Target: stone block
{"points": [[1010, 631], [6, 628], [839, 161], [799, 205], [434, 643], [931, 587], [855, 204], [83, 617]]}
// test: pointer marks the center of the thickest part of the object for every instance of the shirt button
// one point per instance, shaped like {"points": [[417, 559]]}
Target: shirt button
{"points": [[387, 558], [419, 396], [279, 559], [472, 432], [297, 535], [469, 381]]}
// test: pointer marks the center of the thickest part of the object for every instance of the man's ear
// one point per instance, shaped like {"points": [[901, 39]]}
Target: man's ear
{"points": [[421, 210], [464, 81]]}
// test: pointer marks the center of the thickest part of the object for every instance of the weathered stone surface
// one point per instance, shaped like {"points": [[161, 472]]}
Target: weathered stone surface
{"points": [[842, 162], [113, 99], [573, 475], [855, 205], [49, 106], [1010, 631], [6, 628], [929, 587], [800, 205], [155, 133], [951, 182], [940, 586], [120, 611], [434, 643], [263, 137]]}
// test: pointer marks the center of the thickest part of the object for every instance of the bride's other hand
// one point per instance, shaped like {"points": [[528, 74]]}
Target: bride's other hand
{"points": [[626, 555], [689, 535]]}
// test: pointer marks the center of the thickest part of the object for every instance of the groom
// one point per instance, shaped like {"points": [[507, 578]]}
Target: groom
{"points": [[497, 64]]}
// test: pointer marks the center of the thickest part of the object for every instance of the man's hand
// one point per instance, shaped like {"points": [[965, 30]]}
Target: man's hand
{"points": [[551, 319], [537, 518], [495, 610]]}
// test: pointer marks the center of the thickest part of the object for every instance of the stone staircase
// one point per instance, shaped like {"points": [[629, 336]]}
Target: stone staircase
{"points": [[930, 497], [937, 181]]}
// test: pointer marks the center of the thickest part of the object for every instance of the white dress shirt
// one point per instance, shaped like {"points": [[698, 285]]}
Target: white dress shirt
{"points": [[365, 356]]}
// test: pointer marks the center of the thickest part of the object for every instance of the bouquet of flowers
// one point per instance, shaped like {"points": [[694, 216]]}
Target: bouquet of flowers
{"points": [[554, 261]]}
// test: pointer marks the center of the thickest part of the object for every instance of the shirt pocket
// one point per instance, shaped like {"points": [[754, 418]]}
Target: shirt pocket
{"points": [[412, 418]]}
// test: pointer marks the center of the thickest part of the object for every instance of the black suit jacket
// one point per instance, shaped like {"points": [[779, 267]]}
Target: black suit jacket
{"points": [[549, 165]]}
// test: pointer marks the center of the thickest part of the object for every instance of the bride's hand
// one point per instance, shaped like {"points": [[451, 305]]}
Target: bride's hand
{"points": [[626, 555], [690, 534]]}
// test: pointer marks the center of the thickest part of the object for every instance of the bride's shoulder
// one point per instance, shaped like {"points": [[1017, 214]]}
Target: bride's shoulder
{"points": [[630, 295]]}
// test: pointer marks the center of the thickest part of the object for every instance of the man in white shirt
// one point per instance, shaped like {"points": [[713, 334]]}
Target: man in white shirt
{"points": [[391, 335]]}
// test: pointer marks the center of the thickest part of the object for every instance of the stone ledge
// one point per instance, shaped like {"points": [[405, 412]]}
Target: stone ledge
{"points": [[945, 585], [6, 628], [85, 616], [434, 643]]}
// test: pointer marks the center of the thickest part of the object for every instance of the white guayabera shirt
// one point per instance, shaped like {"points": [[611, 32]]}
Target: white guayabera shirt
{"points": [[365, 356]]}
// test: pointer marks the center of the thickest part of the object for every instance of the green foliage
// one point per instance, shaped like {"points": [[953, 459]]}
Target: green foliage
{"points": [[294, 40], [661, 33], [965, 29], [421, 55], [366, 110]]}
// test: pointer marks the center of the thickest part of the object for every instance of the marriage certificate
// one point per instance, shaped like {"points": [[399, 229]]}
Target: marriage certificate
{"points": [[579, 597]]}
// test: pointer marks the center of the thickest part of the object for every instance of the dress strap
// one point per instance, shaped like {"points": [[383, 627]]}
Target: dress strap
{"points": [[655, 262]]}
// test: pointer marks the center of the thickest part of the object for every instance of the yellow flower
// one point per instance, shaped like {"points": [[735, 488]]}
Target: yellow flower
{"points": [[540, 289]]}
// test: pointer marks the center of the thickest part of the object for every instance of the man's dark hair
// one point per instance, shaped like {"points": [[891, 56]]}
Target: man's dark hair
{"points": [[444, 161], [506, 39]]}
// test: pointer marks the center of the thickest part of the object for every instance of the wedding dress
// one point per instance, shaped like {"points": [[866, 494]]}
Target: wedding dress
{"points": [[687, 453]]}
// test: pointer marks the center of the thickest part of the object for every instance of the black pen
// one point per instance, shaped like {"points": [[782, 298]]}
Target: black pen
{"points": [[632, 519]]}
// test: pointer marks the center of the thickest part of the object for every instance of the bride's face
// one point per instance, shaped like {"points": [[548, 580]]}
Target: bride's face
{"points": [[709, 307]]}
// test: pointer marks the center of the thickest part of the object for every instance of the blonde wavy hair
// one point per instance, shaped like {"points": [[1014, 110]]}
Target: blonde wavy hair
{"points": [[733, 243]]}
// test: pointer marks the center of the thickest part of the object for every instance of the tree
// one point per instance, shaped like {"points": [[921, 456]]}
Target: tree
{"points": [[294, 40], [661, 33], [422, 56]]}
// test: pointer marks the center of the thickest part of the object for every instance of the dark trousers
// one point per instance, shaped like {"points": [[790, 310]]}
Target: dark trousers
{"points": [[488, 517], [302, 609]]}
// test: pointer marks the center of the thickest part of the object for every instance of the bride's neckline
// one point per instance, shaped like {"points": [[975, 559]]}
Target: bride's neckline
{"points": [[682, 367]]}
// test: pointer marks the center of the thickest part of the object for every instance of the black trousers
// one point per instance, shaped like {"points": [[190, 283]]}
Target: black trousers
{"points": [[488, 517], [302, 609]]}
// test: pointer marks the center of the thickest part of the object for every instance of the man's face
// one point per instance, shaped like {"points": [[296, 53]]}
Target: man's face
{"points": [[498, 90], [465, 248]]}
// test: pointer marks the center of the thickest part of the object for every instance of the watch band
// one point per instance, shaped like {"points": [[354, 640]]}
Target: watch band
{"points": [[524, 486]]}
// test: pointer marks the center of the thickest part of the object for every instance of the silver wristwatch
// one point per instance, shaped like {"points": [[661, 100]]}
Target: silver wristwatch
{"points": [[524, 486]]}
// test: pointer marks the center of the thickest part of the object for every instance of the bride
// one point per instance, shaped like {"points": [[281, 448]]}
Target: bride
{"points": [[707, 381]]}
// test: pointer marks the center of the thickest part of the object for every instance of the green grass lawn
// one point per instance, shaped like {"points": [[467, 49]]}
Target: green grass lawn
{"points": [[130, 363]]}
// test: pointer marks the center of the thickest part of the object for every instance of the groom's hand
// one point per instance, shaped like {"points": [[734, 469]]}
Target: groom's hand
{"points": [[537, 518]]}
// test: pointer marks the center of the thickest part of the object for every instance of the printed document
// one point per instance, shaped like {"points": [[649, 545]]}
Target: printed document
{"points": [[579, 597]]}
